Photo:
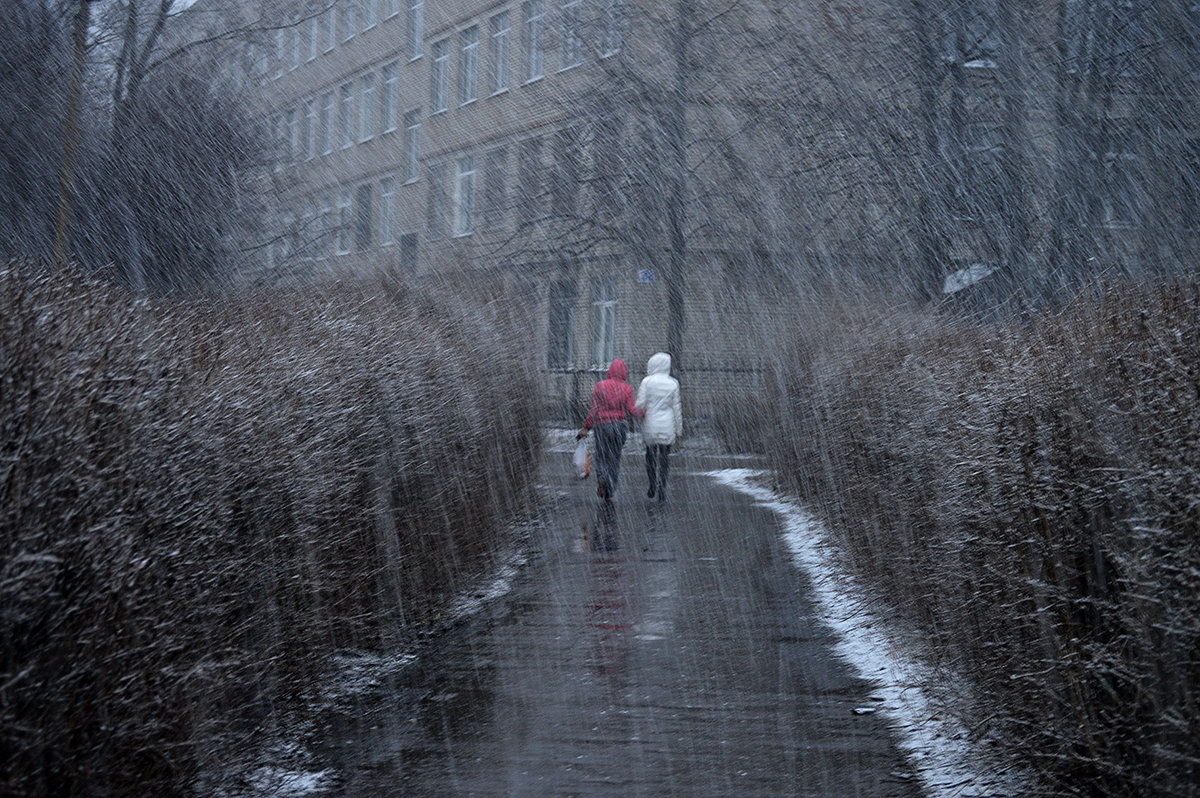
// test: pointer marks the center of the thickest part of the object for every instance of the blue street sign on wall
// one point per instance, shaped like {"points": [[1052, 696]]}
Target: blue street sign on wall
{"points": [[645, 275]]}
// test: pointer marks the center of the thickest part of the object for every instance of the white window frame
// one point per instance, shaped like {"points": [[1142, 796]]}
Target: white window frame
{"points": [[324, 232], [494, 187], [533, 13], [366, 107], [468, 65], [439, 201], [414, 28], [369, 13], [330, 28], [612, 38], [572, 34], [389, 76], [412, 145], [294, 44], [349, 19], [604, 320], [363, 243], [346, 114], [464, 196], [308, 135], [314, 37], [500, 28], [439, 77], [387, 211], [390, 8], [344, 221], [280, 52], [327, 111], [293, 133]]}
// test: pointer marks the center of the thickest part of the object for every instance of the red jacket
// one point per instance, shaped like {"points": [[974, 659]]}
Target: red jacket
{"points": [[612, 398]]}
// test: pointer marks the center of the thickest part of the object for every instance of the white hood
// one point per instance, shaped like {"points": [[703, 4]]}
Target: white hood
{"points": [[658, 395]]}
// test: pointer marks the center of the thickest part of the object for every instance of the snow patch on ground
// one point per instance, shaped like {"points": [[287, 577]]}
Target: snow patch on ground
{"points": [[937, 745], [356, 673]]}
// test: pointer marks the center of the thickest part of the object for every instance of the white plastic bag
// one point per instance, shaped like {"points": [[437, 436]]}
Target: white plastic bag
{"points": [[581, 461]]}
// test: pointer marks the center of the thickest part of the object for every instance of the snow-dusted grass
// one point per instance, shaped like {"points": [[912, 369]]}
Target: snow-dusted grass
{"points": [[1024, 496], [203, 500]]}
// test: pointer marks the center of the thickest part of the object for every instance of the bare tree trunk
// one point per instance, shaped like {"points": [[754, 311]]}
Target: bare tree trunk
{"points": [[676, 208], [931, 200], [1014, 205], [66, 185]]}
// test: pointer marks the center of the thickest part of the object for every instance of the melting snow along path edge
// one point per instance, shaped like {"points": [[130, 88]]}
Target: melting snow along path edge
{"points": [[936, 744]]}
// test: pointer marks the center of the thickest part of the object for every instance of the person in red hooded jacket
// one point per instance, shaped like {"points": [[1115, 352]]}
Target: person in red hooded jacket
{"points": [[612, 401]]}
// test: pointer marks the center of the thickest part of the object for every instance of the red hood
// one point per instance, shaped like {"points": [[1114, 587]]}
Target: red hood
{"points": [[617, 370]]}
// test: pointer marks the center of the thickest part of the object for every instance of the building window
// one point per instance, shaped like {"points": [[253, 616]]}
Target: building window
{"points": [[604, 320], [464, 197], [494, 199], [294, 44], [324, 232], [349, 18], [280, 51], [390, 8], [314, 37], [572, 24], [412, 144], [387, 211], [414, 27], [366, 107], [529, 180], [468, 42], [438, 76], [561, 327], [1104, 37], [408, 253], [534, 12], [326, 134], [362, 218], [345, 114], [387, 97], [611, 25], [292, 145], [439, 209], [567, 160], [982, 188], [1121, 164], [343, 223], [498, 52], [308, 134], [368, 13], [330, 28]]}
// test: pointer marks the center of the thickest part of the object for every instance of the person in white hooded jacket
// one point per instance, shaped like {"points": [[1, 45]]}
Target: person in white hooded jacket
{"points": [[658, 396]]}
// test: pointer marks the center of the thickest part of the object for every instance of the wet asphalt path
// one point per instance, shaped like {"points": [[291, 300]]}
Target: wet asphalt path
{"points": [[650, 650]]}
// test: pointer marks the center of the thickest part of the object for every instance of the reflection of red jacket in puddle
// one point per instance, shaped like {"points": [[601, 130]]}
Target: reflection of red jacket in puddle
{"points": [[612, 398]]}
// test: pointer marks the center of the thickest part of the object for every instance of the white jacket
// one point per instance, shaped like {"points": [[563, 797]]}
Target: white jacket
{"points": [[658, 395]]}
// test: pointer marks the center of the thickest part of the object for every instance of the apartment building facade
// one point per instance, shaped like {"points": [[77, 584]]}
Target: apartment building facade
{"points": [[533, 143], [440, 140]]}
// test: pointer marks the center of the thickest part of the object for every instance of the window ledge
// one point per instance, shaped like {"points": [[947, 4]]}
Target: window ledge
{"points": [[468, 102], [498, 92], [534, 80]]}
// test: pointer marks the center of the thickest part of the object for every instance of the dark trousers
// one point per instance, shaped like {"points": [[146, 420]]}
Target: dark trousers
{"points": [[657, 466], [610, 439]]}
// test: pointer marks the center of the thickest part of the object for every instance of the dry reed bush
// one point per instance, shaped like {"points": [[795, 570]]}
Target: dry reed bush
{"points": [[1025, 496], [203, 499]]}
